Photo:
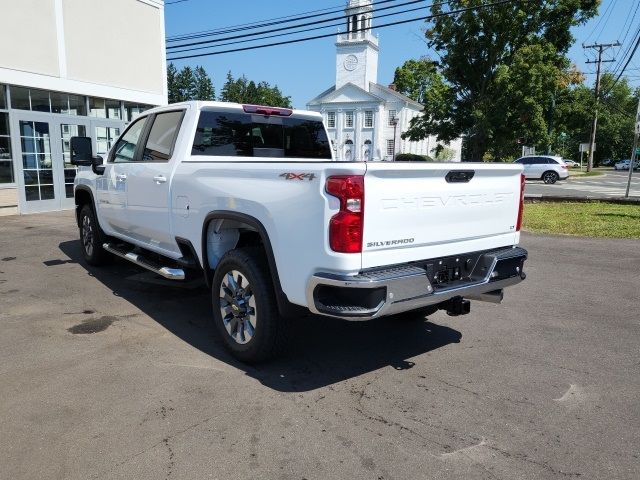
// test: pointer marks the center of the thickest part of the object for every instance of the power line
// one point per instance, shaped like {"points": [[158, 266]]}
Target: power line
{"points": [[204, 47], [299, 40], [175, 1], [625, 53], [245, 35], [632, 18], [598, 23], [628, 61], [628, 58], [269, 23], [613, 6], [222, 30]]}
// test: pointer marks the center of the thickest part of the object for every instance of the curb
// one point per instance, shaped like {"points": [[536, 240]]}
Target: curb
{"points": [[533, 198]]}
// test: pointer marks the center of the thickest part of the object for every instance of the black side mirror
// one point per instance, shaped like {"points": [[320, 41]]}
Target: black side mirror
{"points": [[81, 152]]}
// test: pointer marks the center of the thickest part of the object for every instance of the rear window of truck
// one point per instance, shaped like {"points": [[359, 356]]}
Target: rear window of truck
{"points": [[222, 134]]}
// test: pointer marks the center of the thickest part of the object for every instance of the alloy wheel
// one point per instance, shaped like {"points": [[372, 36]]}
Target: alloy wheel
{"points": [[238, 307], [87, 235]]}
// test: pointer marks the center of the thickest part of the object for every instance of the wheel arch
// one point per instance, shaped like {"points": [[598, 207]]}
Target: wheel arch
{"points": [[84, 196], [285, 307]]}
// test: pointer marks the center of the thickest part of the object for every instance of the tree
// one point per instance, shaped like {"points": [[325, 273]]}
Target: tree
{"points": [[172, 87], [189, 84], [186, 85], [616, 114], [500, 69], [204, 89], [242, 90]]}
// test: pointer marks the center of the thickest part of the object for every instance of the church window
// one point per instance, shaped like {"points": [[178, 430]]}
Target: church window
{"points": [[349, 120], [368, 118], [363, 24], [392, 116], [391, 147], [331, 119]]}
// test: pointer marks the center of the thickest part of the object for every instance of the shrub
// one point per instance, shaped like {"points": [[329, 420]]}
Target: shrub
{"points": [[411, 157]]}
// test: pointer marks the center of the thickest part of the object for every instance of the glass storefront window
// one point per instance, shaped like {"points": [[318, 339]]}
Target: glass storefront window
{"points": [[20, 98], [104, 108], [132, 110], [36, 160], [105, 136], [67, 104], [40, 100], [45, 101], [77, 105], [70, 170], [6, 162], [3, 97], [97, 107]]}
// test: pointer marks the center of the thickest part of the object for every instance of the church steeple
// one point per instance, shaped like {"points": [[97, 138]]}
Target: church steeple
{"points": [[357, 48], [359, 14]]}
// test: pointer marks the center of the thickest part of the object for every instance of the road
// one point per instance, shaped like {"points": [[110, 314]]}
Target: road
{"points": [[544, 386], [611, 184]]}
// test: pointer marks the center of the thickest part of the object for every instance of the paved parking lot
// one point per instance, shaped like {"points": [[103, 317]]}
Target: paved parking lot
{"points": [[611, 184], [106, 374]]}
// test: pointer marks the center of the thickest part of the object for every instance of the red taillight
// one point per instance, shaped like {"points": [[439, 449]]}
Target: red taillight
{"points": [[521, 207], [259, 109], [346, 227], [565, 167]]}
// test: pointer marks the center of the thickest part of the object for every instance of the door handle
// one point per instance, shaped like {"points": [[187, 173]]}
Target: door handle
{"points": [[160, 179], [121, 178]]}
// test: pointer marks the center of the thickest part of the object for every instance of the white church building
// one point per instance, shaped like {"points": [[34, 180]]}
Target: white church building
{"points": [[366, 120]]}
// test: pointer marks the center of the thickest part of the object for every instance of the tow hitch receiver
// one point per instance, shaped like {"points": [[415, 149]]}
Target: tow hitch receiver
{"points": [[458, 306]]}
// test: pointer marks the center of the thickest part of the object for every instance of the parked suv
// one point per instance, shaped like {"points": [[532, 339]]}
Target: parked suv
{"points": [[544, 167]]}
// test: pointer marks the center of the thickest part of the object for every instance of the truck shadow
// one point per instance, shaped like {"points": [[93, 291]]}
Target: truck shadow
{"points": [[323, 351]]}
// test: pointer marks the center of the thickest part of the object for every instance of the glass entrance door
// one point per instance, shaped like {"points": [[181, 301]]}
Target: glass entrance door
{"points": [[105, 133], [45, 173]]}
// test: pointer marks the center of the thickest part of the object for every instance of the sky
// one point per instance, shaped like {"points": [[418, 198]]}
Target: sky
{"points": [[305, 70]]}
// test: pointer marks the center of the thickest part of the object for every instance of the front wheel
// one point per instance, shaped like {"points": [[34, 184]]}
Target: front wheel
{"points": [[92, 238], [550, 178], [244, 306]]}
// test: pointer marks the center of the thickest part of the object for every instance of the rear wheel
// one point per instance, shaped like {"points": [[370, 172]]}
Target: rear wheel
{"points": [[550, 177], [244, 306], [92, 238]]}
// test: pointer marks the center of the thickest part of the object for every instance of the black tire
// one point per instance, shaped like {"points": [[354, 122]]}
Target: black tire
{"points": [[92, 238], [250, 337], [550, 177]]}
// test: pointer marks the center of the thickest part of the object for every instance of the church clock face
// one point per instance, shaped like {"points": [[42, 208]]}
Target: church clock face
{"points": [[350, 63]]}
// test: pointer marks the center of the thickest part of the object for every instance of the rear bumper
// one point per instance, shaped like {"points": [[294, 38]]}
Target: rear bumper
{"points": [[401, 288]]}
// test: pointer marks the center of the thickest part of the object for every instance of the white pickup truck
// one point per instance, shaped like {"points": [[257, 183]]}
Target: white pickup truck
{"points": [[252, 198]]}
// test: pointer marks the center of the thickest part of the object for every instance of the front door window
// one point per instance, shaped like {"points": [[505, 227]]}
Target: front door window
{"points": [[37, 162]]}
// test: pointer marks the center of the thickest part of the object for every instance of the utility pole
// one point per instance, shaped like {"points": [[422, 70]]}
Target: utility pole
{"points": [[601, 47], [634, 154]]}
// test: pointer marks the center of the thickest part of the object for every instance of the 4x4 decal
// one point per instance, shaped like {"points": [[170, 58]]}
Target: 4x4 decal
{"points": [[298, 176]]}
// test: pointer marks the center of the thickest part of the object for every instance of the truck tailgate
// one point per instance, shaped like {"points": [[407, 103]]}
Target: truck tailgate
{"points": [[417, 211]]}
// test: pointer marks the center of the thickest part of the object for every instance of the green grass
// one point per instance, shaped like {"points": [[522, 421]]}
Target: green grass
{"points": [[593, 219], [592, 173]]}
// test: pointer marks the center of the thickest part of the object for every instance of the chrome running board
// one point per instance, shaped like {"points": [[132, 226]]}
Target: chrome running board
{"points": [[166, 272]]}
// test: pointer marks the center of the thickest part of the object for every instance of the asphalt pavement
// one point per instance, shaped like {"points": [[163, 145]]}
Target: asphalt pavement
{"points": [[107, 373], [612, 184]]}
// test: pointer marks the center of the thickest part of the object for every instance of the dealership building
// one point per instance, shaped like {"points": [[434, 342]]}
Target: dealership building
{"points": [[67, 68]]}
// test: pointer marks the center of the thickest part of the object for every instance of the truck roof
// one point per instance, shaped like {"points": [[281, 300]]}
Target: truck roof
{"points": [[230, 105]]}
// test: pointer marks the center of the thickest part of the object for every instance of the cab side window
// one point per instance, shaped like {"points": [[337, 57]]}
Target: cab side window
{"points": [[125, 149], [162, 137]]}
